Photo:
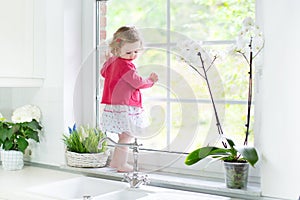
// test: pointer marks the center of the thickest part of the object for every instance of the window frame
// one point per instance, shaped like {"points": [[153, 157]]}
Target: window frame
{"points": [[214, 170]]}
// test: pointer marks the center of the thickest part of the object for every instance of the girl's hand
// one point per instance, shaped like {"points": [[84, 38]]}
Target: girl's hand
{"points": [[153, 77]]}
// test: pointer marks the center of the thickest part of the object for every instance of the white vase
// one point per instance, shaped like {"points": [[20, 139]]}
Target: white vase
{"points": [[12, 160]]}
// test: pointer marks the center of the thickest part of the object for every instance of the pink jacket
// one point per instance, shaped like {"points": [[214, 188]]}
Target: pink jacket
{"points": [[122, 84]]}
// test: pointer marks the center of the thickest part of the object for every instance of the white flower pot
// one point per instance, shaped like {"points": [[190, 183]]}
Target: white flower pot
{"points": [[12, 160]]}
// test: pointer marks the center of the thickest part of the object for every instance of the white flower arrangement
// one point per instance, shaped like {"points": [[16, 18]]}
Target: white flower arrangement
{"points": [[26, 114], [25, 125], [249, 44]]}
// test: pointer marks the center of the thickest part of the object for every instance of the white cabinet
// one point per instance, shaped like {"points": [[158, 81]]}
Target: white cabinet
{"points": [[20, 32]]}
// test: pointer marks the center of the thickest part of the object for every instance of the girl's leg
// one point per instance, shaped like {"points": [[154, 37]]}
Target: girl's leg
{"points": [[120, 156]]}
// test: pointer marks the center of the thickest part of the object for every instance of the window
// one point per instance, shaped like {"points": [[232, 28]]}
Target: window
{"points": [[182, 114]]}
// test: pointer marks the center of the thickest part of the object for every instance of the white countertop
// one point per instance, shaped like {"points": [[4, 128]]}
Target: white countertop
{"points": [[13, 184]]}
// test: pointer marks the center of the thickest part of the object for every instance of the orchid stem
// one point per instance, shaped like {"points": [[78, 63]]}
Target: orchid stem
{"points": [[249, 94], [218, 124]]}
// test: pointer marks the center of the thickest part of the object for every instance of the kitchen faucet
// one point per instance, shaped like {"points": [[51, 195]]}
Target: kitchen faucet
{"points": [[134, 179]]}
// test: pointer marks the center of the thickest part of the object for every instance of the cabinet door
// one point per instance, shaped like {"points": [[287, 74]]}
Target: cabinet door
{"points": [[16, 38]]}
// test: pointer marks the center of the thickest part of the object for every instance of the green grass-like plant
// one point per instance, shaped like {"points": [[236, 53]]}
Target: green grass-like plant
{"points": [[85, 139]]}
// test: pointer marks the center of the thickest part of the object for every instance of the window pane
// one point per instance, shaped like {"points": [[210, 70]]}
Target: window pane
{"points": [[146, 13], [209, 20], [182, 113]]}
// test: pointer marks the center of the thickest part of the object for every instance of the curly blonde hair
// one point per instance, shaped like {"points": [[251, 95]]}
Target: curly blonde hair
{"points": [[125, 34]]}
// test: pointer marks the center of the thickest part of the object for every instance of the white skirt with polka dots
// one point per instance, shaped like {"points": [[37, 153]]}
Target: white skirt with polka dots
{"points": [[123, 118]]}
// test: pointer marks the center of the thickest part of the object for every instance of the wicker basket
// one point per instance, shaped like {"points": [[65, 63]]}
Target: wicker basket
{"points": [[86, 159]]}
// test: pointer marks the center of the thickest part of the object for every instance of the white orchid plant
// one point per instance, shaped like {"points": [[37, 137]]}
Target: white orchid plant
{"points": [[250, 40], [249, 44], [192, 53], [25, 126]]}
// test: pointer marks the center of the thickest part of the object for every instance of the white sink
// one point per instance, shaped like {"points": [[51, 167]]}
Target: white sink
{"points": [[179, 195], [77, 188], [102, 189], [125, 194]]}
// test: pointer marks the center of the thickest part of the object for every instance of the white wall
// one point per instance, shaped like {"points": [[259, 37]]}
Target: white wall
{"points": [[5, 105], [61, 27], [279, 132], [68, 82], [72, 59], [48, 62], [49, 97], [87, 74]]}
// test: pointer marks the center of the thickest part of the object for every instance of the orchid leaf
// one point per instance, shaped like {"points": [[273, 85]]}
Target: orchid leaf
{"points": [[230, 142], [204, 152], [249, 154]]}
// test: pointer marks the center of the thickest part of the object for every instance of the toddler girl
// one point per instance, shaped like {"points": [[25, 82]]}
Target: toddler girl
{"points": [[123, 112]]}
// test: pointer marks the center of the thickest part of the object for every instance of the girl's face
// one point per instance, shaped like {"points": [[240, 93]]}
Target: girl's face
{"points": [[130, 50]]}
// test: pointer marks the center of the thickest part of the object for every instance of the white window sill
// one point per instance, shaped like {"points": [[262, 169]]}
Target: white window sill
{"points": [[177, 181]]}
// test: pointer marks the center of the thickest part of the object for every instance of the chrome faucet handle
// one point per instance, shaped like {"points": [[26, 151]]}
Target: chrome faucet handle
{"points": [[135, 180], [127, 178], [145, 179], [135, 143]]}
